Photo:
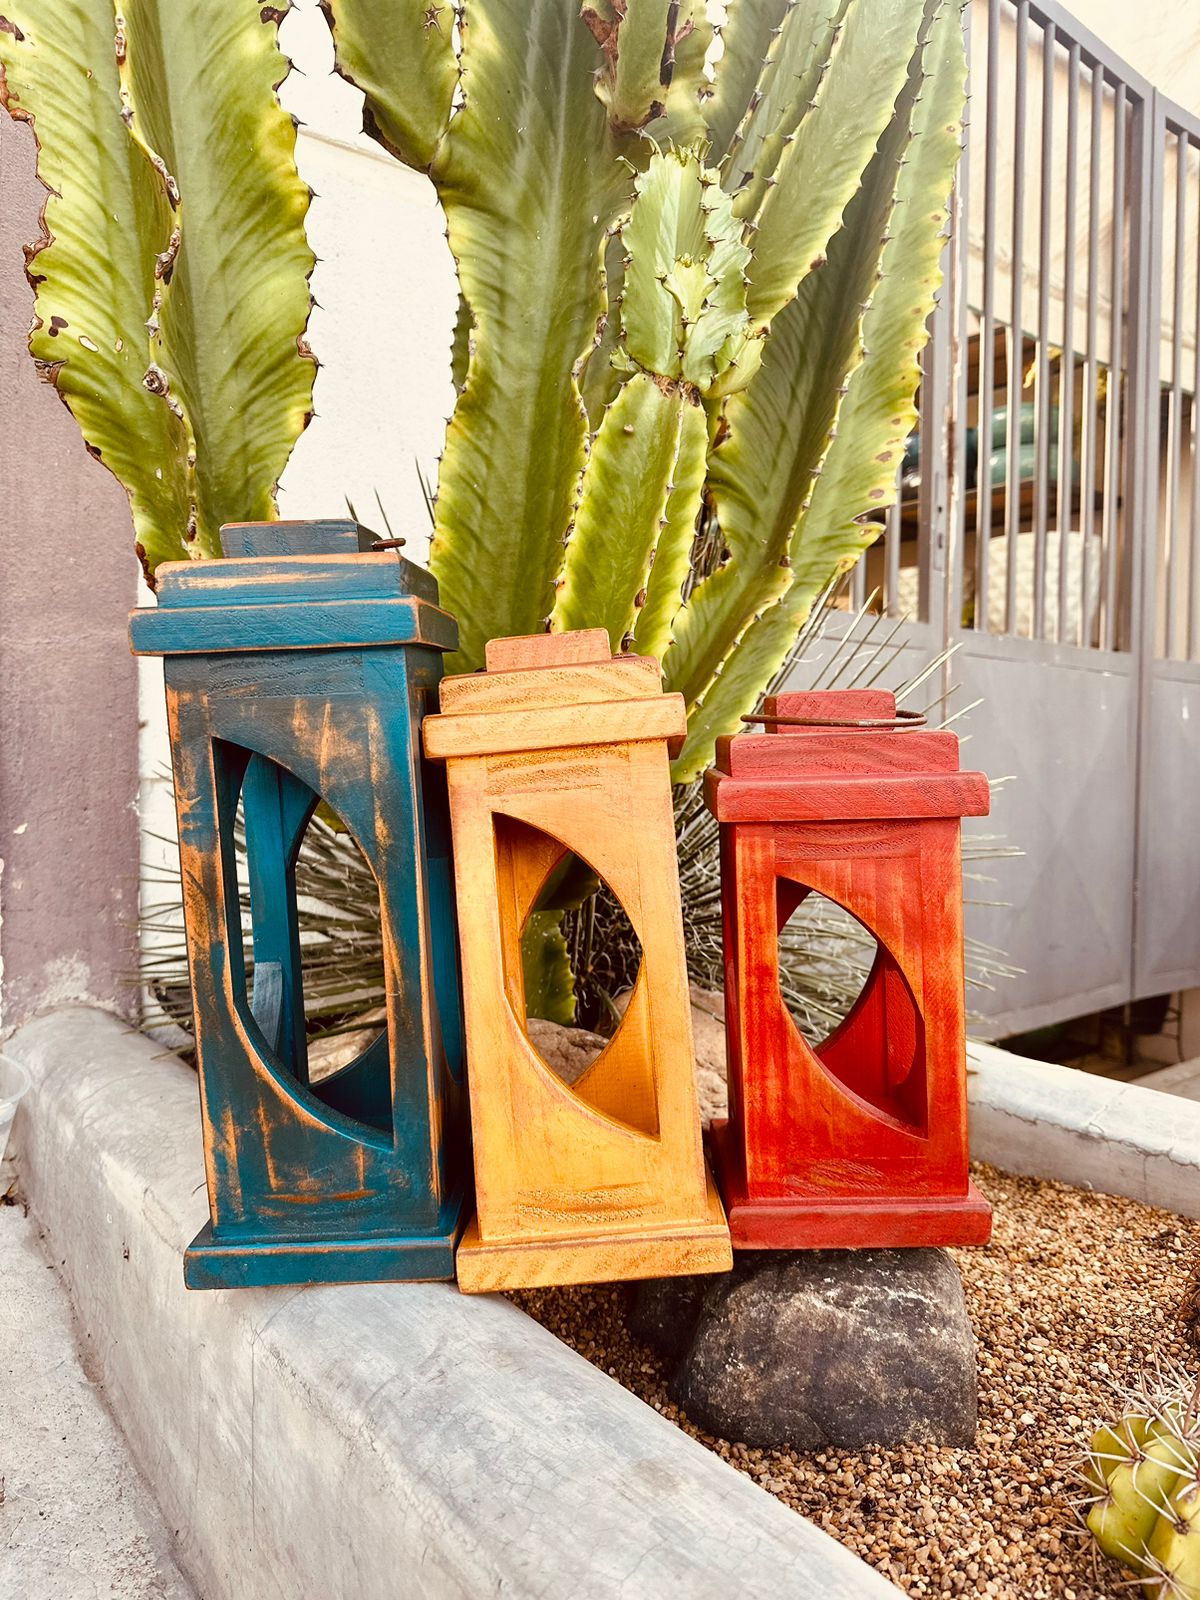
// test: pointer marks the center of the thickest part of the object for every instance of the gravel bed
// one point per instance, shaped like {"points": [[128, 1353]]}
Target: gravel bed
{"points": [[1076, 1292]]}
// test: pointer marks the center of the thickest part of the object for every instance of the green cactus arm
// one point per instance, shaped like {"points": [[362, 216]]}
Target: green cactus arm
{"points": [[646, 44], [684, 122], [878, 411], [549, 982], [599, 379], [234, 301], [746, 36], [622, 507], [683, 311], [761, 473], [655, 624], [823, 165], [665, 229], [778, 429], [400, 53], [798, 58], [530, 182], [106, 216]]}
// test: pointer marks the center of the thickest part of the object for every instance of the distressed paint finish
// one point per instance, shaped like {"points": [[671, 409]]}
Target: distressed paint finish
{"points": [[560, 747], [863, 1141], [362, 1175]]}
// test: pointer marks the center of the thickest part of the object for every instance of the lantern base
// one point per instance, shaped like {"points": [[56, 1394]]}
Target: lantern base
{"points": [[667, 1250], [256, 1264], [850, 1222]]}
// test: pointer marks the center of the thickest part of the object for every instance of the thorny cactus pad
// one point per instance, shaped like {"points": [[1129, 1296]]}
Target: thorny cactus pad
{"points": [[1143, 1472]]}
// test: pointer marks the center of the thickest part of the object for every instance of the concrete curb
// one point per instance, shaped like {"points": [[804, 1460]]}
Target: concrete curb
{"points": [[371, 1441], [1055, 1122]]}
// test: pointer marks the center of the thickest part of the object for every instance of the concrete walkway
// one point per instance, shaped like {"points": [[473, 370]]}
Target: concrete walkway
{"points": [[76, 1520]]}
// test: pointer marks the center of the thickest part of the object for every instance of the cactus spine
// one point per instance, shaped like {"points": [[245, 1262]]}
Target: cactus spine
{"points": [[1144, 1472]]}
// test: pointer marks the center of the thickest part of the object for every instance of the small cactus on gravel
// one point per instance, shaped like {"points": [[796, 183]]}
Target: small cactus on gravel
{"points": [[1143, 1473]]}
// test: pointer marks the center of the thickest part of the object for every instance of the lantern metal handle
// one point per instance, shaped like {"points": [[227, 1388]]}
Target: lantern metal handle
{"points": [[901, 722]]}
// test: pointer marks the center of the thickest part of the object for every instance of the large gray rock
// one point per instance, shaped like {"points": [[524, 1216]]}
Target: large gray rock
{"points": [[832, 1347], [663, 1312]]}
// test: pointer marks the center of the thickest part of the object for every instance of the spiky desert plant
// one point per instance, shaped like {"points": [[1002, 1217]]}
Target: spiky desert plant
{"points": [[1144, 1471], [825, 953], [172, 278], [578, 963], [692, 305]]}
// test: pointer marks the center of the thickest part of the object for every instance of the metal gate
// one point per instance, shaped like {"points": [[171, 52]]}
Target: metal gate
{"points": [[1048, 525]]}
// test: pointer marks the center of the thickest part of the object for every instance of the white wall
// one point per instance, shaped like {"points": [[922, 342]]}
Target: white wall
{"points": [[1158, 38], [386, 297]]}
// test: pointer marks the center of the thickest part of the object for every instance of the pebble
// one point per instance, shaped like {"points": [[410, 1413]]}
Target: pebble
{"points": [[1075, 1294]]}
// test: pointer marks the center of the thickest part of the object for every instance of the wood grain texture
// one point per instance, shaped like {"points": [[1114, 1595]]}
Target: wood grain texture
{"points": [[364, 1174], [863, 1141], [605, 1179]]}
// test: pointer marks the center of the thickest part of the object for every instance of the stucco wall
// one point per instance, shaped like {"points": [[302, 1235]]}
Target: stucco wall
{"points": [[68, 702], [1158, 38]]}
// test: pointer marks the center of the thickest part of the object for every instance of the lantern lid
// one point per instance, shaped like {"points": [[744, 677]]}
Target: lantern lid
{"points": [[548, 690], [836, 755], [293, 586]]}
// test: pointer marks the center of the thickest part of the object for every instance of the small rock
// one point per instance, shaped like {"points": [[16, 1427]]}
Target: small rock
{"points": [[841, 1348], [568, 1052], [708, 1035]]}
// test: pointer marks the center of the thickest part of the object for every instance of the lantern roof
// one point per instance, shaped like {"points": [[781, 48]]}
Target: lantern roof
{"points": [[293, 586], [834, 755], [547, 690]]}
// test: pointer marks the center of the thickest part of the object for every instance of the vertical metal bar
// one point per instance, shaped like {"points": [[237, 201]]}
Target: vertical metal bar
{"points": [[1016, 335], [960, 261], [1042, 388], [932, 501], [1116, 595], [987, 331], [891, 557], [1065, 499], [858, 583], [1141, 479], [1087, 452], [1173, 567]]}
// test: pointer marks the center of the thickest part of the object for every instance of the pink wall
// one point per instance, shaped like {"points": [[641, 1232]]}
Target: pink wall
{"points": [[68, 688]]}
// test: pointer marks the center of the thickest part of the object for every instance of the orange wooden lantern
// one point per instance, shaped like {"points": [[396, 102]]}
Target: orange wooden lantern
{"points": [[863, 1140], [561, 747]]}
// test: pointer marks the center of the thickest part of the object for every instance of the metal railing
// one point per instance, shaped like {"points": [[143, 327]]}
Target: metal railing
{"points": [[1048, 519]]}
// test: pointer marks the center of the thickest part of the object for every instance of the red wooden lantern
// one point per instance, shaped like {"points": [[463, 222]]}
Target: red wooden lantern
{"points": [[862, 1141]]}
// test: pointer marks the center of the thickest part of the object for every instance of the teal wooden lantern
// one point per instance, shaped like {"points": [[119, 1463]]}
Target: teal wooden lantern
{"points": [[298, 670]]}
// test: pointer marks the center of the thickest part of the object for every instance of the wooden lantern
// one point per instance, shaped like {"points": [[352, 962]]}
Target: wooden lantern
{"points": [[297, 670], [560, 747], [863, 1140]]}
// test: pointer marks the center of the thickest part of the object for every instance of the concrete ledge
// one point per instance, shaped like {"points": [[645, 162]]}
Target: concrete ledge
{"points": [[370, 1441], [1056, 1122]]}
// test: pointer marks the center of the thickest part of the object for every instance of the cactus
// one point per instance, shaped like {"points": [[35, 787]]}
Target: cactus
{"points": [[1143, 1473], [172, 280], [693, 305], [684, 447]]}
